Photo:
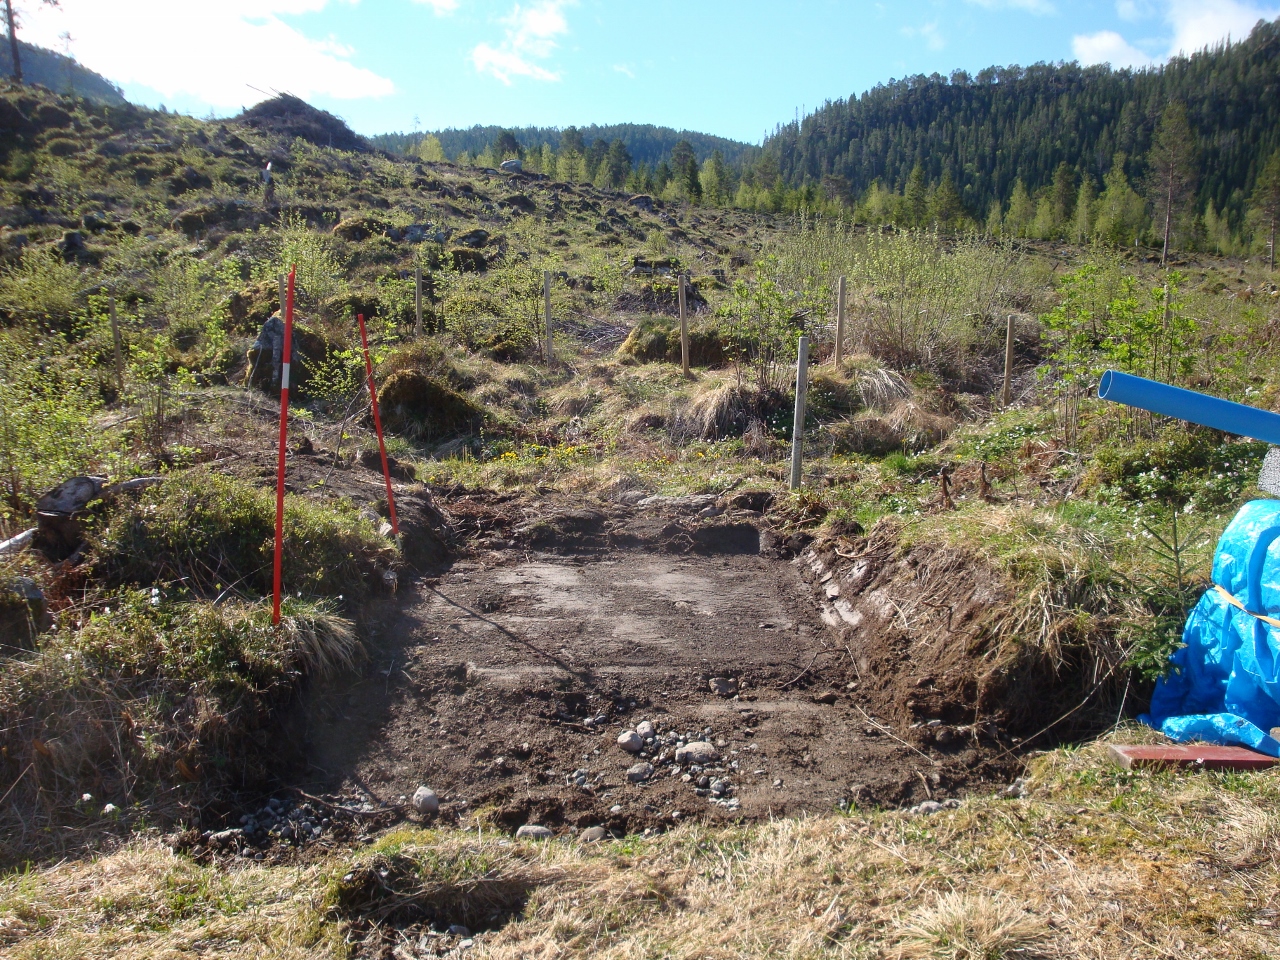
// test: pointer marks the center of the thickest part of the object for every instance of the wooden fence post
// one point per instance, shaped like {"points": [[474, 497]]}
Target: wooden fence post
{"points": [[546, 305], [417, 302], [684, 328], [115, 339], [1006, 396], [802, 394], [840, 323]]}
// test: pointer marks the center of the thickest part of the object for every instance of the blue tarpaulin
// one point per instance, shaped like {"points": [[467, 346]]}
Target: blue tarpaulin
{"points": [[1224, 685]]}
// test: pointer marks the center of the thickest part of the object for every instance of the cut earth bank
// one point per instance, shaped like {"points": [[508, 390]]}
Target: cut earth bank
{"points": [[822, 675]]}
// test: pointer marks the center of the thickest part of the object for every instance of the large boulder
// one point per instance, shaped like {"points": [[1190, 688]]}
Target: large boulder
{"points": [[265, 358]]}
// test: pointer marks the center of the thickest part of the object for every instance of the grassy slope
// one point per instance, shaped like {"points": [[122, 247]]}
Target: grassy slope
{"points": [[1065, 525], [1091, 862]]}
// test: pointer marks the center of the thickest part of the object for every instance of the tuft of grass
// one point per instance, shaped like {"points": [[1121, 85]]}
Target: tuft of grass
{"points": [[965, 926]]}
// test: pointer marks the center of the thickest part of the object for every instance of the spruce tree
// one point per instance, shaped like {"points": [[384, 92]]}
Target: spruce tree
{"points": [[916, 198], [1266, 202], [1171, 177]]}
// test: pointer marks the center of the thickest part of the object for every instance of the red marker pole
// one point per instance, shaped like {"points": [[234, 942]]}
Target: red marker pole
{"points": [[284, 435], [377, 426]]}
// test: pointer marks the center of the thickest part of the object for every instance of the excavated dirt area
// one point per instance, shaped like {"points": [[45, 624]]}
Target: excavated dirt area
{"points": [[504, 683]]}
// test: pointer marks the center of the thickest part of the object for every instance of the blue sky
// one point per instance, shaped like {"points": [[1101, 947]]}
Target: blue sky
{"points": [[728, 68]]}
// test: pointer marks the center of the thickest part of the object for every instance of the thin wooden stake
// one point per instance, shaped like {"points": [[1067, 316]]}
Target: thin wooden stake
{"points": [[546, 305], [684, 329], [1006, 397], [417, 302], [802, 395], [840, 323], [115, 339], [377, 424]]}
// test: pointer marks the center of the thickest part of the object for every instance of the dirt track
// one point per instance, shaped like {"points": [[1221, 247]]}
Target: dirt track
{"points": [[505, 683]]}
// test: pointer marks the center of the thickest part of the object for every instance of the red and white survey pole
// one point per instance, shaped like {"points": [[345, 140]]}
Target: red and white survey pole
{"points": [[377, 426], [284, 435]]}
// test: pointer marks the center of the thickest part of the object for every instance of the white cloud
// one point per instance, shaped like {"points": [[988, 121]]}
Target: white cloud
{"points": [[929, 33], [1134, 10], [225, 54], [1193, 25], [1201, 23], [1039, 7], [441, 7], [530, 35], [1107, 46], [623, 69]]}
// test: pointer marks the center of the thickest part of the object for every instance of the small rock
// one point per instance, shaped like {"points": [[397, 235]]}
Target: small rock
{"points": [[425, 801], [458, 930], [645, 729], [616, 808], [593, 835], [532, 831], [697, 752], [928, 808], [466, 944], [829, 697], [1016, 789], [723, 686], [631, 741], [719, 787], [640, 772]]}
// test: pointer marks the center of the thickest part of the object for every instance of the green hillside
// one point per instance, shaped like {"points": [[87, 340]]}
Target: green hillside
{"points": [[1008, 125], [645, 142]]}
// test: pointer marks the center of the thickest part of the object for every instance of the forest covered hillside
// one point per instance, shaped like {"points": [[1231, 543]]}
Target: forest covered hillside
{"points": [[645, 142], [1008, 137], [59, 73]]}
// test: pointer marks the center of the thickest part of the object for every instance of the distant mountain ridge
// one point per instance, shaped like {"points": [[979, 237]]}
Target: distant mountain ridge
{"points": [[646, 143], [59, 73]]}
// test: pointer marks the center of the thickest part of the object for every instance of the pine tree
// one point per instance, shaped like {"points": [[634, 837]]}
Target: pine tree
{"points": [[1266, 202], [506, 147], [916, 198], [1086, 201], [617, 164], [430, 150], [1172, 175], [945, 209], [1022, 211], [1122, 216]]}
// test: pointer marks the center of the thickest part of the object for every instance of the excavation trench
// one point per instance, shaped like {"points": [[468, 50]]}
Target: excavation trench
{"points": [[504, 683]]}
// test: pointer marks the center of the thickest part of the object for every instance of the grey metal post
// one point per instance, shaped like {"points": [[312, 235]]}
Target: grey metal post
{"points": [[417, 302], [840, 323], [802, 395], [684, 330], [546, 302], [1006, 395]]}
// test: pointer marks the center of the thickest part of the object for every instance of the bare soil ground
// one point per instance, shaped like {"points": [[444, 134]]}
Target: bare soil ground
{"points": [[504, 683]]}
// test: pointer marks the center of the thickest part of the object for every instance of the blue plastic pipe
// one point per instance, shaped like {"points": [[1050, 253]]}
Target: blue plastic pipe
{"points": [[1188, 405]]}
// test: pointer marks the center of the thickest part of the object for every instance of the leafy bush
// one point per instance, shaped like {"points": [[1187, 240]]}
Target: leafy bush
{"points": [[215, 534]]}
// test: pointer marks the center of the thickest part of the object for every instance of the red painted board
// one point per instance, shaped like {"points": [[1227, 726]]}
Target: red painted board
{"points": [[1205, 755]]}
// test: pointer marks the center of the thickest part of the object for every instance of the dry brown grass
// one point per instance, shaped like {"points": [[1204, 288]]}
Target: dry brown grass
{"points": [[1094, 863]]}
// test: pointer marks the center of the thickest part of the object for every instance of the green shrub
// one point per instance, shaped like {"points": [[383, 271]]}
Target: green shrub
{"points": [[214, 533]]}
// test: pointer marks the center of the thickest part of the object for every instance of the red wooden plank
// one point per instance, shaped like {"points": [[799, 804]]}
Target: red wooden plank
{"points": [[1206, 755]]}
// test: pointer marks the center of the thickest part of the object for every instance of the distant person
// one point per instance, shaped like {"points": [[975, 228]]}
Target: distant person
{"points": [[268, 185]]}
